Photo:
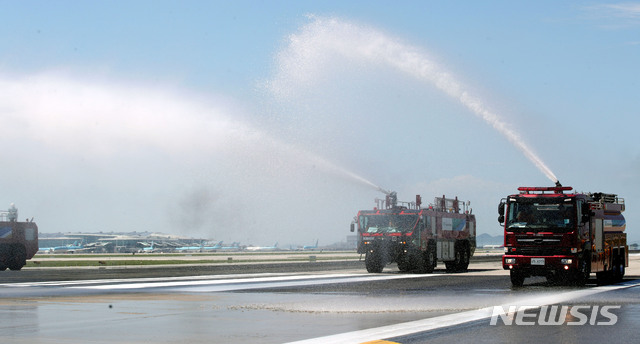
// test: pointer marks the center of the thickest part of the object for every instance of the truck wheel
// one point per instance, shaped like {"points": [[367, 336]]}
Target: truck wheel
{"points": [[5, 256], [373, 261], [428, 261], [584, 271], [404, 263], [618, 269], [411, 261], [458, 258], [464, 259], [18, 258], [517, 279], [454, 265]]}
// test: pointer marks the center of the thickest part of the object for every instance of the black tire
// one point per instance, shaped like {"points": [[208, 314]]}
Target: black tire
{"points": [[454, 265], [458, 260], [517, 278], [18, 258], [5, 256], [404, 263], [373, 261], [464, 262], [618, 268], [426, 262], [429, 262], [584, 270]]}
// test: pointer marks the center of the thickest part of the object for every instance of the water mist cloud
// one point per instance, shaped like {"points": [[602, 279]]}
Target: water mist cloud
{"points": [[309, 53], [103, 117], [161, 158]]}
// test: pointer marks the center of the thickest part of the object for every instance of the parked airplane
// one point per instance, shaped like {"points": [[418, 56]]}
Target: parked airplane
{"points": [[71, 248], [235, 246], [217, 246], [202, 247], [262, 248], [155, 247], [310, 247], [147, 249], [94, 247]]}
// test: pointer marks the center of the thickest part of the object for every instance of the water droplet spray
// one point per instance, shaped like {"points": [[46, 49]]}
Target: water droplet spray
{"points": [[306, 55]]}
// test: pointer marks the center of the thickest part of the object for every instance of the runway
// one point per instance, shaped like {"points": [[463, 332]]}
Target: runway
{"points": [[329, 306]]}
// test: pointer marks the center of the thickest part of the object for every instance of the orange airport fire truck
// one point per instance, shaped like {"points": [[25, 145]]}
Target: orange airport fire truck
{"points": [[563, 235], [18, 240], [416, 238]]}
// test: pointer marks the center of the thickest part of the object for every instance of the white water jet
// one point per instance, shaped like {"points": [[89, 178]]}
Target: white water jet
{"points": [[307, 54], [106, 118]]}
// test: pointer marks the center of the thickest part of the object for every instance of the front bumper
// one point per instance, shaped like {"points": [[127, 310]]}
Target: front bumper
{"points": [[539, 265]]}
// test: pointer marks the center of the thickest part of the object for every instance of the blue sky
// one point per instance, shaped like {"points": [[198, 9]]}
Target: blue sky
{"points": [[269, 121]]}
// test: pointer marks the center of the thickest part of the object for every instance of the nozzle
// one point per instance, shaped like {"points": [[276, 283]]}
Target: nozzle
{"points": [[558, 184], [392, 199], [386, 192]]}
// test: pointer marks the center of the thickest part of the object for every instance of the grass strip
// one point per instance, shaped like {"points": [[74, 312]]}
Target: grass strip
{"points": [[80, 263]]}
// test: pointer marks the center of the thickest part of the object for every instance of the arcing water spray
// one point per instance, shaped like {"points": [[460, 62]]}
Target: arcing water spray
{"points": [[306, 55]]}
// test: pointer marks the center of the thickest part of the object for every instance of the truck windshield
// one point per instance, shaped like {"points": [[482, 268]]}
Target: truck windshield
{"points": [[537, 215], [386, 223]]}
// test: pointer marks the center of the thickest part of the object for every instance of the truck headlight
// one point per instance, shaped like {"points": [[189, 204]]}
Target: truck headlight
{"points": [[566, 261], [509, 260]]}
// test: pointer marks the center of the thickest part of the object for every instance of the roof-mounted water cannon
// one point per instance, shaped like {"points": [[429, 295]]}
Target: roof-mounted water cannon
{"points": [[11, 214], [392, 199], [386, 192]]}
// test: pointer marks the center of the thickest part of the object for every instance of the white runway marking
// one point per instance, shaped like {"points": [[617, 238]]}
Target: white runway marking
{"points": [[213, 283], [253, 282], [429, 324]]}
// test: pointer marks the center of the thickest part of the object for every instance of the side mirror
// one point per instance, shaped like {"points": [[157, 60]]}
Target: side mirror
{"points": [[501, 209], [586, 212], [353, 227], [501, 219]]}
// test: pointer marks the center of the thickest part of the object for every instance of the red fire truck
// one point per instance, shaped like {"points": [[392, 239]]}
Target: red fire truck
{"points": [[416, 238], [18, 240], [563, 235]]}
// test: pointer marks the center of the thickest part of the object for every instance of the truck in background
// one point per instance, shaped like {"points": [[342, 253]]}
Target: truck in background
{"points": [[563, 235], [416, 238], [18, 240]]}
